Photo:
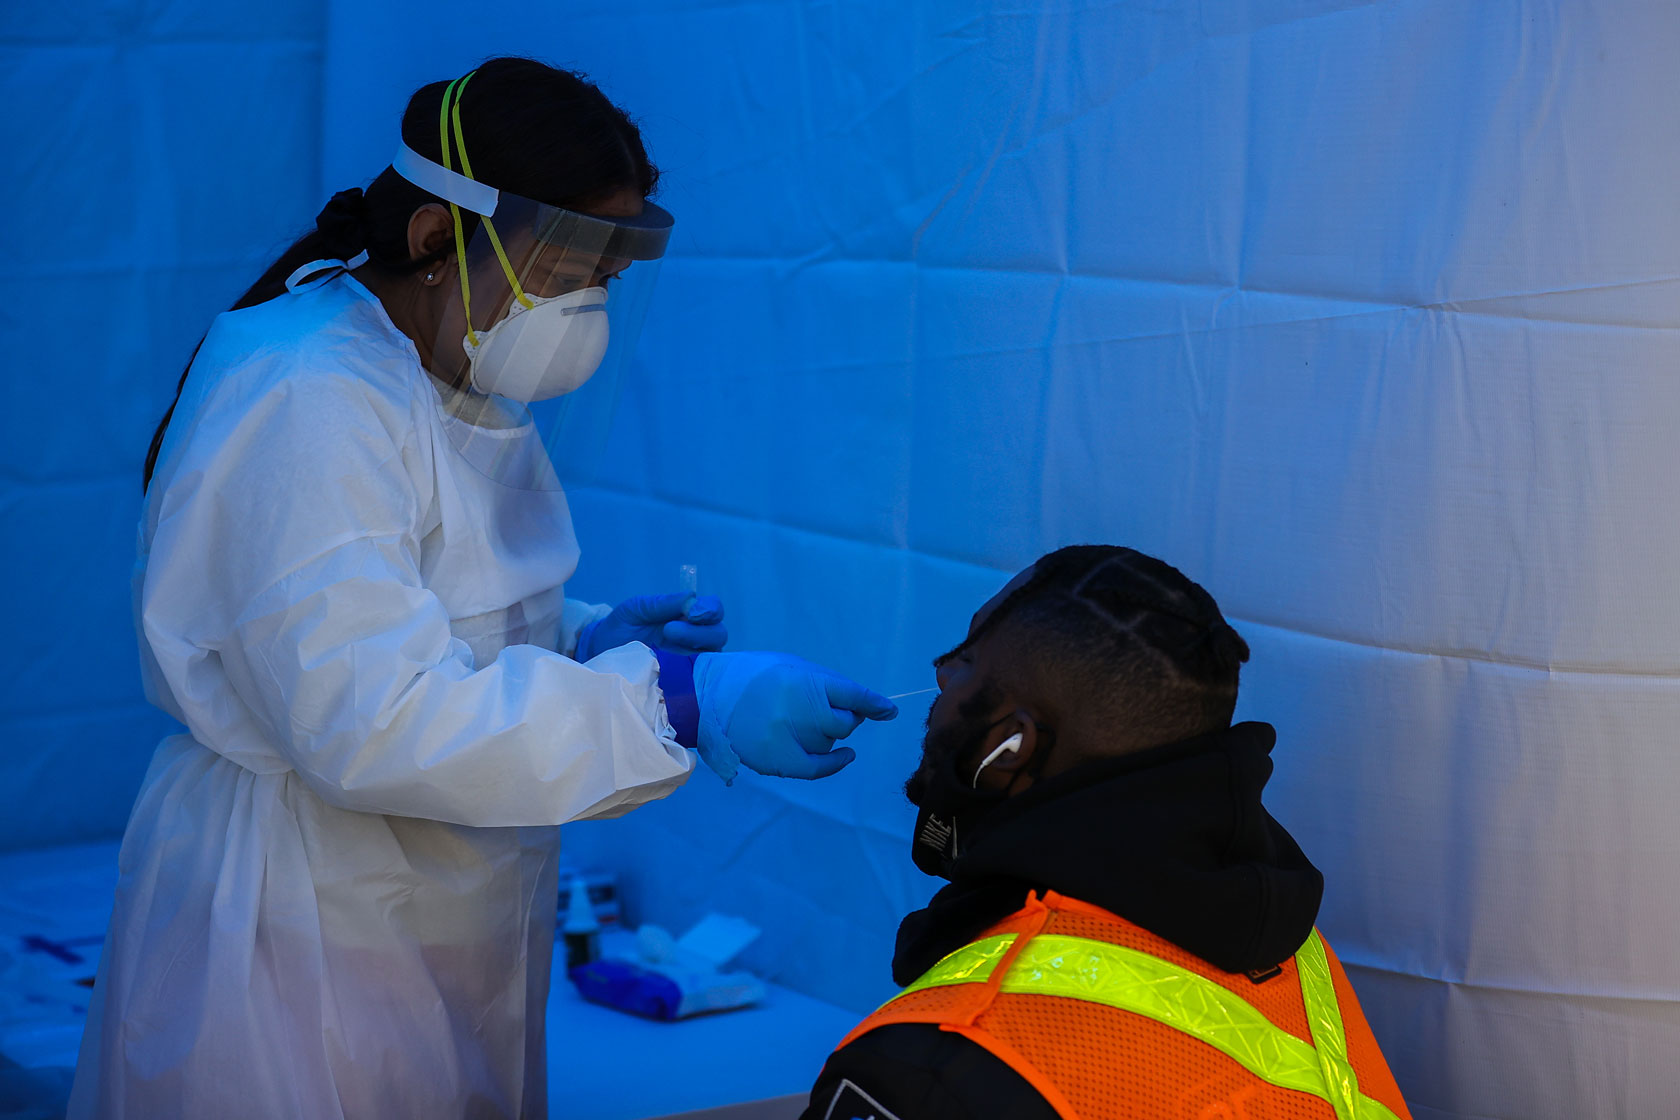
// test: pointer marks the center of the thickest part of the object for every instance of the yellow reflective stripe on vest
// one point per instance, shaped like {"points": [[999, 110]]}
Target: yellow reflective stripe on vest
{"points": [[1098, 972], [972, 964], [1324, 1016], [1115, 976]]}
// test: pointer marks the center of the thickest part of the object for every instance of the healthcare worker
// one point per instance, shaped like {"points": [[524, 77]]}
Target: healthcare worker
{"points": [[338, 887]]}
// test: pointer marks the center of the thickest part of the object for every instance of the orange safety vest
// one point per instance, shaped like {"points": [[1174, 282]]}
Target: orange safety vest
{"points": [[1110, 1022]]}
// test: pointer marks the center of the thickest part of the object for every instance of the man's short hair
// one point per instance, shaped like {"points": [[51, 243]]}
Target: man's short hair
{"points": [[1125, 639]]}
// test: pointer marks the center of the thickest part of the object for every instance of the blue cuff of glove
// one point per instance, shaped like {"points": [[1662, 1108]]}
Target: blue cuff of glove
{"points": [[682, 706], [584, 653]]}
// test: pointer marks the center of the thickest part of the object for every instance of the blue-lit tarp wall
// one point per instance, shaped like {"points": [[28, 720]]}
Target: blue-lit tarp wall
{"points": [[1362, 313]]}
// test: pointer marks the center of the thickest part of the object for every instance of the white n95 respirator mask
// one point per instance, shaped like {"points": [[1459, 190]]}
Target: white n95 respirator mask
{"points": [[545, 350]]}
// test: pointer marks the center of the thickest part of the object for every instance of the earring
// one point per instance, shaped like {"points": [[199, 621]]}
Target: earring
{"points": [[430, 276]]}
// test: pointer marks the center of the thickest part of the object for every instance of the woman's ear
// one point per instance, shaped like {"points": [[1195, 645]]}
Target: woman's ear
{"points": [[430, 230]]}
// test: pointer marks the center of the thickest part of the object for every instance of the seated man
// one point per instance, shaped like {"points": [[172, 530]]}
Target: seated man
{"points": [[1127, 932]]}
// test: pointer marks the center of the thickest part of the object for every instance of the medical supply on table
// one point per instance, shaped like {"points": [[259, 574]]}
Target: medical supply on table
{"points": [[717, 940], [653, 975], [581, 932], [602, 892]]}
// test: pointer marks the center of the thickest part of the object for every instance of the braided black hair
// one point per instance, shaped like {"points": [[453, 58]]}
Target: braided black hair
{"points": [[1129, 641]]}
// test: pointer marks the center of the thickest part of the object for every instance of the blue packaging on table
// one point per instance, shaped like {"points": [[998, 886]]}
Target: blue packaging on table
{"points": [[628, 987]]}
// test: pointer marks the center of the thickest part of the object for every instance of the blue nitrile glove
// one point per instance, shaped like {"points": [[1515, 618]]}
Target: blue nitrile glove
{"points": [[680, 621], [778, 714]]}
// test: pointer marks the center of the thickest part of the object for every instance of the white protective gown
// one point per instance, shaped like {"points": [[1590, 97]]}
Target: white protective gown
{"points": [[338, 891]]}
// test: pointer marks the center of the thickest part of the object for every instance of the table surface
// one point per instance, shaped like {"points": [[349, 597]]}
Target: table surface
{"points": [[603, 1064]]}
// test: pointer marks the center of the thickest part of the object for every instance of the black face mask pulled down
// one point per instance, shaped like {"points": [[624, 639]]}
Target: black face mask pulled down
{"points": [[1174, 839]]}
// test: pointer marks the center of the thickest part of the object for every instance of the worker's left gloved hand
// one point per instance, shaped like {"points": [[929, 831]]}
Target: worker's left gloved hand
{"points": [[681, 621]]}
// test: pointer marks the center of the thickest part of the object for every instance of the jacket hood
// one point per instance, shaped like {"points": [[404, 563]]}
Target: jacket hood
{"points": [[1174, 839]]}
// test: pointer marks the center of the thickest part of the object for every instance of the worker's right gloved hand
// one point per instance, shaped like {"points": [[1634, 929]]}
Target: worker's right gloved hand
{"points": [[778, 714]]}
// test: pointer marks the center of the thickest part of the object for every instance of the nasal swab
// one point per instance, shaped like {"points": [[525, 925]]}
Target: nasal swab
{"points": [[918, 692]]}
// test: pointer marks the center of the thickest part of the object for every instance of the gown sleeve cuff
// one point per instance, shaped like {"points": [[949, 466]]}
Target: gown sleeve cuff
{"points": [[682, 706]]}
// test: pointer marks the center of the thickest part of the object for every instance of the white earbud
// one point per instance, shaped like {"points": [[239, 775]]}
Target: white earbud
{"points": [[1011, 745]]}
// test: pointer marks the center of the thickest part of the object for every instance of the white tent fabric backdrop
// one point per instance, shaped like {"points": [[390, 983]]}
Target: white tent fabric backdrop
{"points": [[1363, 314], [158, 156]]}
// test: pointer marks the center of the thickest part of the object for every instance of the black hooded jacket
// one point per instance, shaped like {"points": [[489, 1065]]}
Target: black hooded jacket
{"points": [[1174, 839]]}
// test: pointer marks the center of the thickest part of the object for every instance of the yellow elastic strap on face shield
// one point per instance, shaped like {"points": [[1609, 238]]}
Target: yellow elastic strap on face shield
{"points": [[451, 114], [489, 227], [460, 239]]}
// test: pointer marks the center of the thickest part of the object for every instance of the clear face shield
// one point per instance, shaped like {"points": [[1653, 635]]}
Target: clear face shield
{"points": [[543, 315]]}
